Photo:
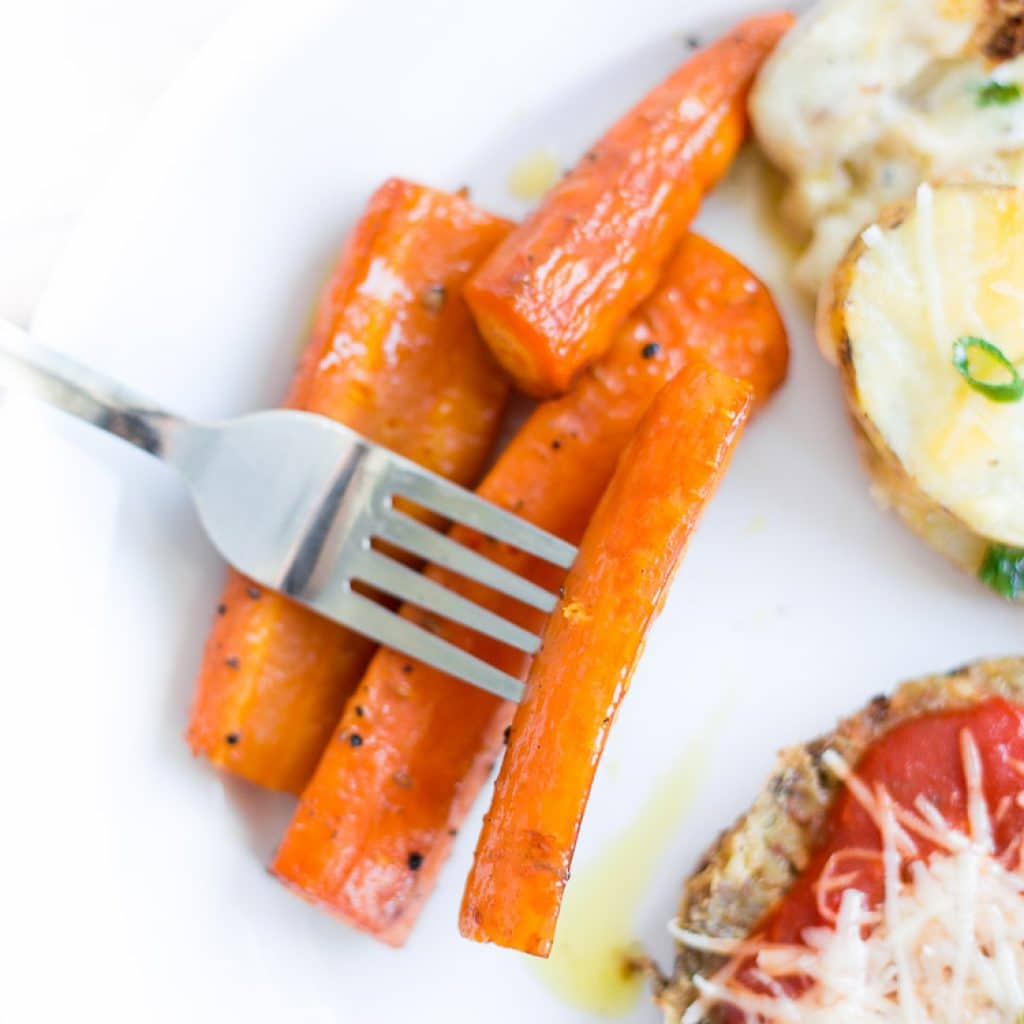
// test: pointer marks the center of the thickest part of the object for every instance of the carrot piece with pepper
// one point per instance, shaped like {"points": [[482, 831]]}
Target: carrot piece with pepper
{"points": [[414, 746], [590, 648], [551, 296], [395, 355]]}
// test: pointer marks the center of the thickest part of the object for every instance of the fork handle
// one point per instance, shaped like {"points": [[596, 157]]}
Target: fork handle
{"points": [[30, 368]]}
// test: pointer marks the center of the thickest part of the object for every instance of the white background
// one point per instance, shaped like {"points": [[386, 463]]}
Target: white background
{"points": [[76, 78], [133, 878]]}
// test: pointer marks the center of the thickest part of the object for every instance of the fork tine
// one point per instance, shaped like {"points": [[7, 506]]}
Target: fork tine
{"points": [[439, 549], [402, 582], [389, 628], [453, 502]]}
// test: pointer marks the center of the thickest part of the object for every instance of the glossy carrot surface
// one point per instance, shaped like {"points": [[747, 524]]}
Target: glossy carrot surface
{"points": [[551, 297], [590, 648], [394, 354], [414, 746]]}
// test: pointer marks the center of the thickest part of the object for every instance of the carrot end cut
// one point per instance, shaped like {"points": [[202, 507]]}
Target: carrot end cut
{"points": [[551, 297], [591, 645]]}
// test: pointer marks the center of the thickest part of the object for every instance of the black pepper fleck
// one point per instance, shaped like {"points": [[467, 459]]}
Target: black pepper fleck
{"points": [[556, 444], [453, 831], [232, 738], [407, 668], [508, 733], [650, 350], [692, 42], [233, 661], [355, 740], [254, 592], [593, 155], [359, 711], [222, 609], [415, 861]]}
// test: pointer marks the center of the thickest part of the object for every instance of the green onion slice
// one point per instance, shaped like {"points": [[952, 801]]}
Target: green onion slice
{"points": [[1009, 390], [998, 94], [1002, 569]]}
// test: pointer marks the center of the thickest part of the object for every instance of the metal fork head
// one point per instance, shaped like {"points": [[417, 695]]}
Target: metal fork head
{"points": [[295, 501]]}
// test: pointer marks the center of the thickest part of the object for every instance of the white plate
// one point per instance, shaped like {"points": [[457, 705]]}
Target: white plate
{"points": [[135, 875]]}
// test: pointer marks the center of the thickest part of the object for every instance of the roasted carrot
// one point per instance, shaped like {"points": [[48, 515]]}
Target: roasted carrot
{"points": [[590, 648], [395, 355], [414, 746], [551, 297]]}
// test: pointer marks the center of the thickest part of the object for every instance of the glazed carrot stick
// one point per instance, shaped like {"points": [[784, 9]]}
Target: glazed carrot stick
{"points": [[551, 296], [395, 355], [590, 648], [413, 748]]}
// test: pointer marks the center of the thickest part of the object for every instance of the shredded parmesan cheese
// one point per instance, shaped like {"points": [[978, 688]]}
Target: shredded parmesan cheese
{"points": [[947, 944]]}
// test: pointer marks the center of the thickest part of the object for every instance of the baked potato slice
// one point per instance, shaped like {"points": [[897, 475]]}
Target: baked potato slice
{"points": [[925, 316], [864, 99]]}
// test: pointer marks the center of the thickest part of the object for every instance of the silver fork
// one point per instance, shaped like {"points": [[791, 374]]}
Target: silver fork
{"points": [[293, 501]]}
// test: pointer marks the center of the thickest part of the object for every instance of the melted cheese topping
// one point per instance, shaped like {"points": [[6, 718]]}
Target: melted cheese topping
{"points": [[865, 99], [947, 944], [954, 267]]}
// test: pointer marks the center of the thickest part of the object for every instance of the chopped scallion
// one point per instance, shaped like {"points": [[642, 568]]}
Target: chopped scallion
{"points": [[1010, 389], [1002, 569], [998, 94]]}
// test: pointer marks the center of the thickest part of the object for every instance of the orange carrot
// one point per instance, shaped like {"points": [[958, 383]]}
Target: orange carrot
{"points": [[551, 297], [590, 648], [414, 746], [395, 355]]}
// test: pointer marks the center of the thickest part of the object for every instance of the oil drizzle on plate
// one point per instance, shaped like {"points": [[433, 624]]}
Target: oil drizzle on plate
{"points": [[756, 189], [589, 966], [533, 176]]}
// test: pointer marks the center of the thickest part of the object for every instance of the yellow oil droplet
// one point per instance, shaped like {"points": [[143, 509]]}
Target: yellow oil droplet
{"points": [[756, 525], [595, 940], [531, 178]]}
